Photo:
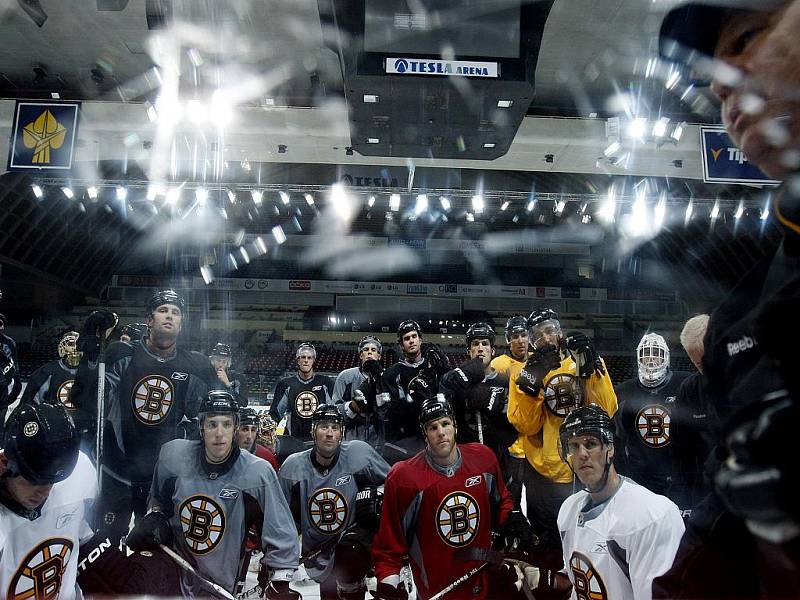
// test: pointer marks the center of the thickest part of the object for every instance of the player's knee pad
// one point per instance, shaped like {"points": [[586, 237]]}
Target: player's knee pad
{"points": [[352, 557]]}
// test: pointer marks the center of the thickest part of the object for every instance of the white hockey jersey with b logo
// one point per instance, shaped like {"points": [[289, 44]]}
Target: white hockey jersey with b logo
{"points": [[614, 550]]}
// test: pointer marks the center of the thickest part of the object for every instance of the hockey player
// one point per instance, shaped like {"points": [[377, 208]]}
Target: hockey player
{"points": [[220, 357], [616, 535], [650, 423], [446, 499], [479, 394], [422, 361], [561, 373], [297, 396], [361, 419], [133, 332], [10, 381], [204, 494], [249, 422], [332, 492], [47, 487], [510, 364], [151, 387]]}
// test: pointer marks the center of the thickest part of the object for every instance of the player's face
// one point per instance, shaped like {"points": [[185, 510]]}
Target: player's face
{"points": [[761, 106], [411, 344], [327, 437], [588, 456], [483, 349], [546, 332], [220, 362], [440, 436], [26, 493], [369, 351], [305, 362], [165, 321], [518, 345], [247, 436], [218, 433]]}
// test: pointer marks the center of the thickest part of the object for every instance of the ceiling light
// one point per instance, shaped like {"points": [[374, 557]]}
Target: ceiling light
{"points": [[269, 101], [559, 206], [609, 207], [531, 204], [262, 247], [612, 148], [489, 145], [245, 255], [68, 192], [688, 214], [504, 205], [739, 211], [122, 192], [445, 202], [173, 195], [232, 196], [678, 132], [715, 211], [278, 234], [37, 191], [660, 211], [672, 80], [309, 199], [637, 128], [373, 141], [765, 211], [284, 197], [371, 201], [394, 202], [470, 217], [201, 195], [370, 98], [504, 103], [660, 127], [258, 197], [422, 204], [91, 191], [478, 203]]}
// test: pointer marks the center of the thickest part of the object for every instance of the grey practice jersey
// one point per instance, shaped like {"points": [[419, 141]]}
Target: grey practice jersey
{"points": [[365, 427], [323, 503], [209, 513]]}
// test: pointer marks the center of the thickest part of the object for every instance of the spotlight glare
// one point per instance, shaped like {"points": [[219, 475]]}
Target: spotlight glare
{"points": [[470, 217], [445, 202], [122, 193], [394, 202], [91, 191], [678, 132], [258, 197], [67, 191], [689, 211], [559, 206], [284, 198], [245, 255], [637, 128], [660, 211], [739, 211], [660, 127], [530, 206], [37, 191], [278, 234], [201, 195], [478, 203], [260, 245], [504, 206], [371, 201], [232, 196], [422, 204], [609, 207], [715, 211], [309, 199], [612, 149]]}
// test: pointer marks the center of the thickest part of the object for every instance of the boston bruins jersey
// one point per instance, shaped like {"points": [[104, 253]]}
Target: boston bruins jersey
{"points": [[39, 554], [51, 383], [614, 550], [402, 412], [648, 423], [209, 512], [431, 512], [298, 399], [323, 503], [147, 396], [366, 427]]}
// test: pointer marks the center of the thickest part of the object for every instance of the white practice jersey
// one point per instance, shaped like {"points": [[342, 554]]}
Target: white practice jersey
{"points": [[614, 550], [39, 557]]}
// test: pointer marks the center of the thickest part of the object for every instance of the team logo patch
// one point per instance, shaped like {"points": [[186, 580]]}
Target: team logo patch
{"points": [[343, 480], [653, 425], [30, 429], [62, 393], [202, 522], [152, 399], [457, 519], [40, 573], [327, 510], [228, 494], [587, 582], [472, 481], [563, 394], [179, 376], [305, 404]]}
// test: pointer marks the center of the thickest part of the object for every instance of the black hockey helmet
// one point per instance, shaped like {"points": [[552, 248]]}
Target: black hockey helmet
{"points": [[135, 331], [220, 349], [165, 297], [590, 419], [538, 317], [41, 443], [516, 324], [480, 331], [370, 339], [249, 416], [218, 402], [434, 408], [305, 347], [326, 413], [407, 326]]}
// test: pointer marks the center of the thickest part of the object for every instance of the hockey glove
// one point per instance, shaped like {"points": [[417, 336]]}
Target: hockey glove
{"points": [[359, 402], [96, 329], [386, 591], [423, 386], [372, 368], [540, 363], [369, 503], [516, 531], [585, 355], [552, 585], [280, 590], [435, 357], [491, 399], [507, 579], [467, 375], [149, 532]]}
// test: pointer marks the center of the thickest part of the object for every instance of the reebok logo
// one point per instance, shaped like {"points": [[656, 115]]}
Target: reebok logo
{"points": [[745, 343], [228, 494], [179, 376], [472, 481], [343, 480]]}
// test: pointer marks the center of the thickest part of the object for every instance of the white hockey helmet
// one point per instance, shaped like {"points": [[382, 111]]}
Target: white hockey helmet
{"points": [[652, 360]]}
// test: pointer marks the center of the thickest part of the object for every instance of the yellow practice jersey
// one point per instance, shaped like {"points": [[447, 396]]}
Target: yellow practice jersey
{"points": [[510, 366], [538, 418]]}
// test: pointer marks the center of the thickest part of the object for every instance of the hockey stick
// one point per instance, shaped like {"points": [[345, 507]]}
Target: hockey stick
{"points": [[459, 581], [101, 391], [190, 569], [479, 420]]}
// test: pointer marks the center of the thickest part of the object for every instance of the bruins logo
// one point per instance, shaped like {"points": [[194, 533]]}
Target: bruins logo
{"points": [[305, 404], [653, 423], [587, 582], [40, 573], [327, 509], [457, 519], [152, 399], [62, 393], [563, 394], [203, 523]]}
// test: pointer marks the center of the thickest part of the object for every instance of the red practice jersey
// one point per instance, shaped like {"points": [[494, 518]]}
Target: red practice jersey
{"points": [[429, 516], [263, 452]]}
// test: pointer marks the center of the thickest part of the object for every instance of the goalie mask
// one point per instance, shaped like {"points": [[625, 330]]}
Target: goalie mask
{"points": [[652, 360], [68, 349], [266, 431]]}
